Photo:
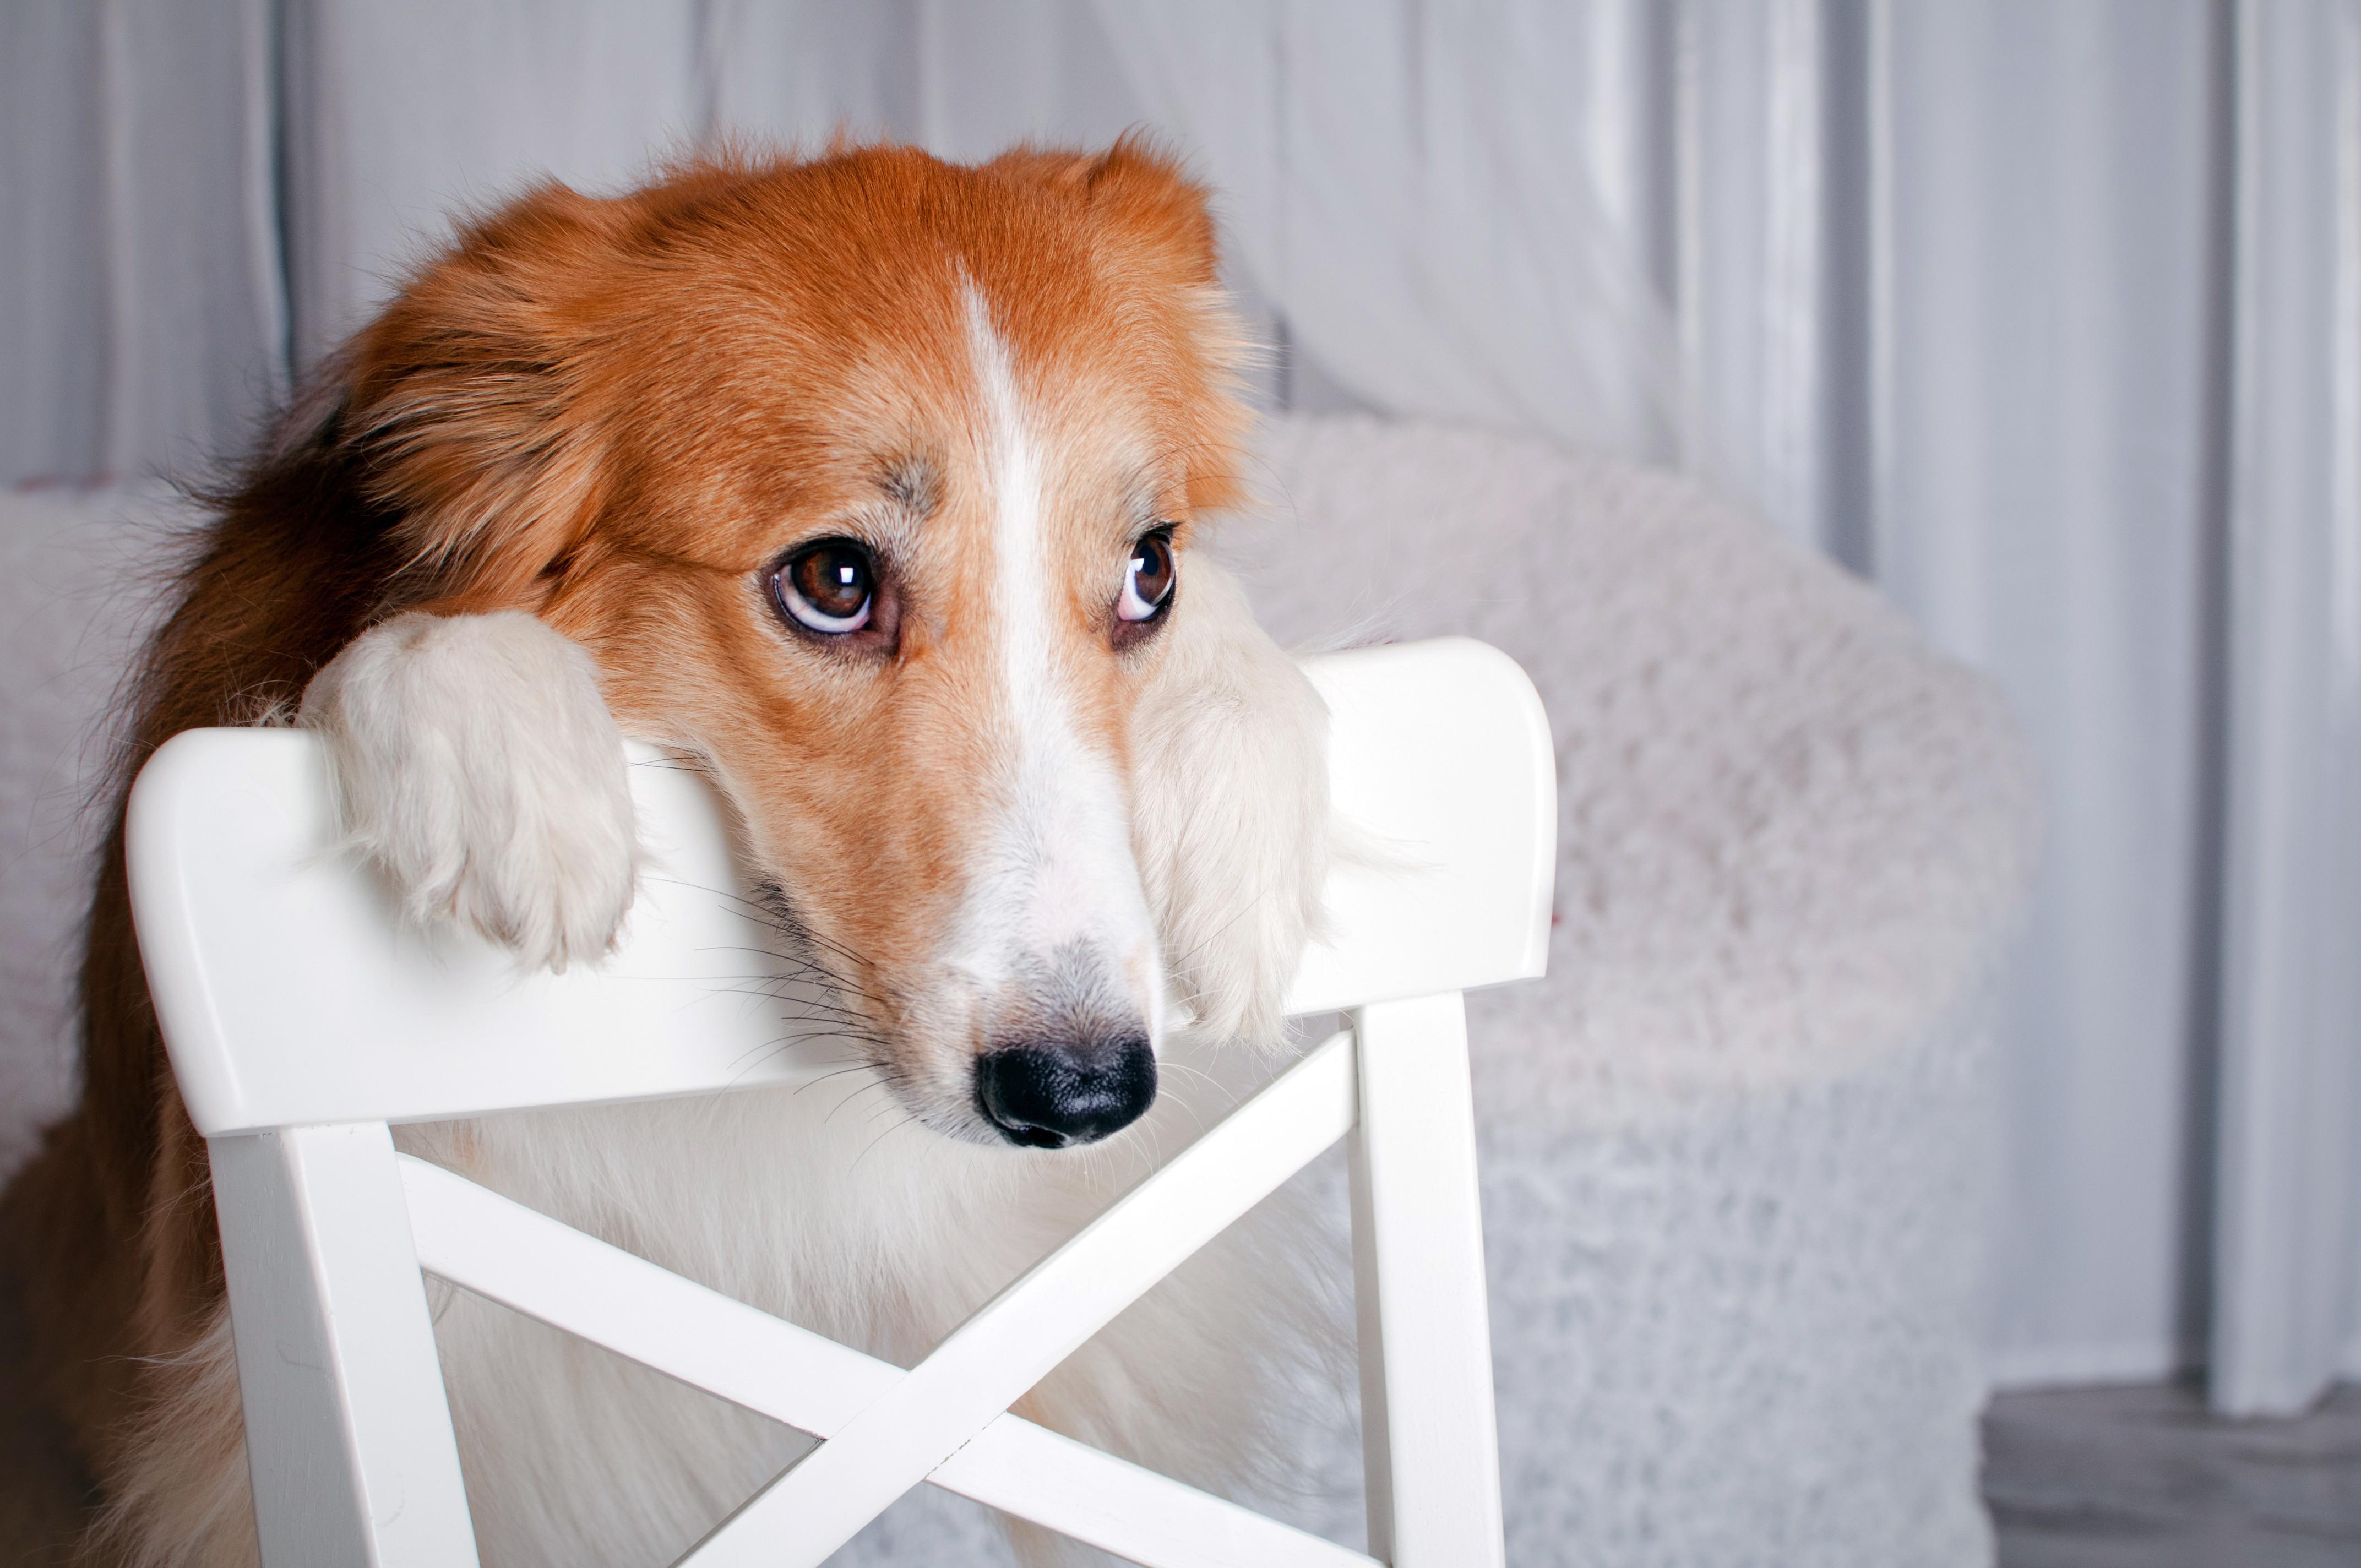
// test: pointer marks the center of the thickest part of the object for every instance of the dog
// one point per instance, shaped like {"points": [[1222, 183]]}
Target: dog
{"points": [[876, 488]]}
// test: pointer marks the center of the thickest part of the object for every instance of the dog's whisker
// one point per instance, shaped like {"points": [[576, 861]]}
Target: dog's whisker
{"points": [[849, 1099], [826, 1076], [907, 1121]]}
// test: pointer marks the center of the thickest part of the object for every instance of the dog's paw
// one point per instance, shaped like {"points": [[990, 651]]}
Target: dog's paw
{"points": [[1231, 812], [478, 765]]}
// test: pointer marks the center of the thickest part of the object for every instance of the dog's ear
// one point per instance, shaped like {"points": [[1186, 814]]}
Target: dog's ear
{"points": [[1144, 195], [1231, 814], [1141, 196], [466, 402]]}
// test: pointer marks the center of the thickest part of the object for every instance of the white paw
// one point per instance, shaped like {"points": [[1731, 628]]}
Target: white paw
{"points": [[1231, 811], [479, 766]]}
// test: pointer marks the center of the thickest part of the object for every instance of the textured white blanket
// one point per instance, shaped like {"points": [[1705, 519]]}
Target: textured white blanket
{"points": [[1789, 831]]}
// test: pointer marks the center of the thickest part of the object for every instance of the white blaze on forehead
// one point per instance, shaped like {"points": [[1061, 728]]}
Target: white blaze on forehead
{"points": [[1020, 609], [1060, 870]]}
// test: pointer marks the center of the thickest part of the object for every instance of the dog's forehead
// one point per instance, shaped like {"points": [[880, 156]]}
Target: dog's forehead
{"points": [[943, 452], [847, 375]]}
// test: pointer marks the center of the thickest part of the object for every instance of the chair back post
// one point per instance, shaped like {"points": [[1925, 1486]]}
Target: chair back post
{"points": [[348, 1439], [1430, 1444]]}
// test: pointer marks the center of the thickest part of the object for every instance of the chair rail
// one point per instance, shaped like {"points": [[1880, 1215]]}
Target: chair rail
{"points": [[261, 939]]}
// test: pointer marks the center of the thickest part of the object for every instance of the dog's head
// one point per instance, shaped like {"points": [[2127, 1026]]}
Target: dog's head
{"points": [[872, 480]]}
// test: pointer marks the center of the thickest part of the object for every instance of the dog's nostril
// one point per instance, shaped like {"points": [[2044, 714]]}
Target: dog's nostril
{"points": [[1048, 1097]]}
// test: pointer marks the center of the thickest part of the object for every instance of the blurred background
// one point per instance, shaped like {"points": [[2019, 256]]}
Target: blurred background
{"points": [[2042, 316]]}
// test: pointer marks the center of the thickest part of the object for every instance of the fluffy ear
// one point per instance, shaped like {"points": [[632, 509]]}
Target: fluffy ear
{"points": [[1139, 192], [1231, 818], [466, 402], [1144, 194]]}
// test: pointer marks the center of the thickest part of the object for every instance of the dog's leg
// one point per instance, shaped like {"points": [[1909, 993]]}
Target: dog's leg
{"points": [[479, 763]]}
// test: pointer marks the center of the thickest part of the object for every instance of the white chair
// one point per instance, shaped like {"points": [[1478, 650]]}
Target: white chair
{"points": [[302, 1019]]}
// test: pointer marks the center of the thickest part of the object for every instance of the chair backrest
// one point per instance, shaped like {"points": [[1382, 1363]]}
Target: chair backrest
{"points": [[302, 1016]]}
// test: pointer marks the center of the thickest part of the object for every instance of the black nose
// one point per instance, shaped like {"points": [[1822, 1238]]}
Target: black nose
{"points": [[1048, 1097]]}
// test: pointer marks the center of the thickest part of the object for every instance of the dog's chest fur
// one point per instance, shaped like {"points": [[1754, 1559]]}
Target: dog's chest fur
{"points": [[826, 1207]]}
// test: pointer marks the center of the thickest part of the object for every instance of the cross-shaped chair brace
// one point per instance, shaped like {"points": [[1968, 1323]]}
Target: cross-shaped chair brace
{"points": [[304, 1019]]}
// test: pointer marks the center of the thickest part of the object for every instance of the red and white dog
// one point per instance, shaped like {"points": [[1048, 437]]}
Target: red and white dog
{"points": [[869, 482]]}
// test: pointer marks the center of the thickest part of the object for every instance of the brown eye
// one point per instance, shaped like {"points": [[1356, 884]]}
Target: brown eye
{"points": [[1147, 581], [830, 588]]}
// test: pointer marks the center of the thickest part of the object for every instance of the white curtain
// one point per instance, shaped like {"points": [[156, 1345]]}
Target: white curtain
{"points": [[2046, 316], [2289, 1168], [142, 323]]}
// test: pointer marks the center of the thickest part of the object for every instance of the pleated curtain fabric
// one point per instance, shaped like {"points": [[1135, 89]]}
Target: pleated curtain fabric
{"points": [[2044, 317], [143, 319], [2287, 1197]]}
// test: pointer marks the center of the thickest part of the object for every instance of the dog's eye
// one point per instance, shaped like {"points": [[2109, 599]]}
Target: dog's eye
{"points": [[829, 587], [1147, 581]]}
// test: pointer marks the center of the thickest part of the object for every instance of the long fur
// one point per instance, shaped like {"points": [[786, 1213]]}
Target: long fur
{"points": [[391, 570]]}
